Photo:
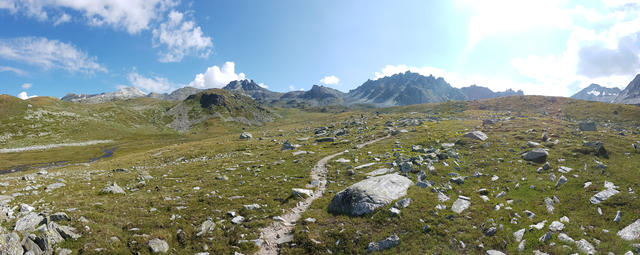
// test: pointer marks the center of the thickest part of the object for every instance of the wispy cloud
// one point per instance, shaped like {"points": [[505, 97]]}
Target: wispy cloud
{"points": [[26, 85], [48, 54], [12, 69]]}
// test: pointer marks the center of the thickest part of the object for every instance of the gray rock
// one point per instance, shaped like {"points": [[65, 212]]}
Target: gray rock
{"points": [[519, 234], [548, 203], [631, 232], [30, 246], [537, 155], [28, 222], [288, 146], [603, 195], [490, 231], [63, 251], [458, 180], [237, 220], [158, 246], [388, 243], [587, 126], [495, 252], [59, 216], [67, 232], [112, 189], [556, 226], [522, 245], [561, 180], [365, 196], [532, 144], [478, 135], [10, 244], [246, 135], [206, 227], [54, 186], [301, 192], [252, 206], [585, 247], [617, 218], [403, 203], [544, 238], [562, 237], [460, 205]]}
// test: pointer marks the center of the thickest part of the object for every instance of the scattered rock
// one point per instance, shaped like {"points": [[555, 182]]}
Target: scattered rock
{"points": [[390, 242], [561, 180], [112, 189], [537, 155], [10, 244], [301, 193], [495, 252], [246, 136], [206, 227], [237, 220], [603, 195], [562, 237], [586, 247], [367, 195], [631, 232], [519, 234], [460, 205], [556, 226], [54, 186], [403, 203], [478, 135], [158, 246], [28, 222]]}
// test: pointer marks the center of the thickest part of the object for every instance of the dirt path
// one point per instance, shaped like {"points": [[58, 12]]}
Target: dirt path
{"points": [[280, 231]]}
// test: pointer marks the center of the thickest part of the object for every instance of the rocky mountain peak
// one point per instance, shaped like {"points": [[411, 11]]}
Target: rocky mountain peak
{"points": [[631, 94]]}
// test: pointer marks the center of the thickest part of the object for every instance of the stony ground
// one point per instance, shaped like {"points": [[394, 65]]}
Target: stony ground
{"points": [[213, 192]]}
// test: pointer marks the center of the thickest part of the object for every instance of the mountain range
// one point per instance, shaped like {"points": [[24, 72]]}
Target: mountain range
{"points": [[399, 89], [631, 94], [598, 93]]}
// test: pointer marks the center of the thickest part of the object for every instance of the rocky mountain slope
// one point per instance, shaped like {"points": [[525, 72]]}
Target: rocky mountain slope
{"points": [[598, 93], [217, 103], [121, 94], [253, 90], [404, 89], [317, 96], [475, 92], [631, 94], [177, 95]]}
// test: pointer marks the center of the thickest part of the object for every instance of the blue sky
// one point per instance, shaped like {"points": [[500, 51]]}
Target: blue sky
{"points": [[543, 47]]}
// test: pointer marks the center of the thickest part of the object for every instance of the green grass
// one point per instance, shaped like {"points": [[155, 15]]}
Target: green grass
{"points": [[259, 172]]}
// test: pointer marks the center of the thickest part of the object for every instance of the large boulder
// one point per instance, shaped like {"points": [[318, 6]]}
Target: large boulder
{"points": [[158, 246], [28, 223], [478, 135], [537, 155], [10, 244], [367, 195], [631, 232]]}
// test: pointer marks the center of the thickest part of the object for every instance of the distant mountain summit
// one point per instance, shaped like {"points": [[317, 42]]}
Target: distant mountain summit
{"points": [[598, 93], [475, 92], [123, 93], [404, 89], [631, 94], [252, 89], [177, 95]]}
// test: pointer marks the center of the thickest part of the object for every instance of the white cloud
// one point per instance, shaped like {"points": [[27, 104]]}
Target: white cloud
{"points": [[64, 18], [292, 88], [12, 69], [23, 95], [180, 37], [497, 17], [48, 54], [26, 85], [153, 84], [132, 15], [329, 80], [602, 48], [216, 77], [262, 85]]}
